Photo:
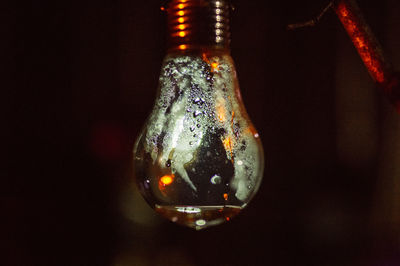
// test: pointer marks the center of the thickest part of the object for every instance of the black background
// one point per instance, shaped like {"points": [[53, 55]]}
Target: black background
{"points": [[80, 79]]}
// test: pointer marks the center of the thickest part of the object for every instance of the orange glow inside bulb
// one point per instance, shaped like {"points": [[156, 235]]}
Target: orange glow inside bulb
{"points": [[166, 180]]}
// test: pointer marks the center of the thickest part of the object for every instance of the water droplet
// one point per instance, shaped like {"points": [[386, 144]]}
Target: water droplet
{"points": [[168, 163], [239, 162], [216, 179], [200, 222], [192, 128], [199, 101], [256, 135], [190, 143], [197, 113], [147, 184], [198, 125]]}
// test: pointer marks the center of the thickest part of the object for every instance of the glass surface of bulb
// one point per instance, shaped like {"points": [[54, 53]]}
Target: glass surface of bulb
{"points": [[198, 160]]}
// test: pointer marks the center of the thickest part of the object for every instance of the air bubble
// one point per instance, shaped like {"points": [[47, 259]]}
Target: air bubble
{"points": [[200, 222], [216, 179]]}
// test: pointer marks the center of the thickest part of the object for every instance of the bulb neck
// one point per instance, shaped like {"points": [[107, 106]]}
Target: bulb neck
{"points": [[198, 25]]}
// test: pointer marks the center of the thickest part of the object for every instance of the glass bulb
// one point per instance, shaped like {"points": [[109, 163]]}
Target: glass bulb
{"points": [[198, 160]]}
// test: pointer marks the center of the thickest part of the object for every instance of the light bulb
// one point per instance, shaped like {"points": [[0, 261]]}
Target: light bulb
{"points": [[198, 160]]}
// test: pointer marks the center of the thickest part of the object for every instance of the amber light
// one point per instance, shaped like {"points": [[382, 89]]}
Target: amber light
{"points": [[221, 113], [166, 180], [362, 39], [228, 145], [181, 26], [214, 66], [369, 49], [182, 47]]}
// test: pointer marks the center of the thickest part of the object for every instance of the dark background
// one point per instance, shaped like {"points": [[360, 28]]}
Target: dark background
{"points": [[80, 79]]}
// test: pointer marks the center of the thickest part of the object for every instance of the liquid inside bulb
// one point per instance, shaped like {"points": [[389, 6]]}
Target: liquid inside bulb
{"points": [[198, 160]]}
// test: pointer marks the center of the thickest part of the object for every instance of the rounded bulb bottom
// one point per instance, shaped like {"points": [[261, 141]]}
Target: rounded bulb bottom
{"points": [[199, 159], [198, 217]]}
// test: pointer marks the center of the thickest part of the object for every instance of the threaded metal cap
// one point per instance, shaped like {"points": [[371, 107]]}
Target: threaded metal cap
{"points": [[198, 23]]}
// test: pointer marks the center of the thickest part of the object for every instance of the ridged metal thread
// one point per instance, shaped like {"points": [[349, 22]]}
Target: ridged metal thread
{"points": [[198, 24]]}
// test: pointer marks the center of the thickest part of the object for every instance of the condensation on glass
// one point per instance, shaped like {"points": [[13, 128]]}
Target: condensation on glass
{"points": [[198, 160]]}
